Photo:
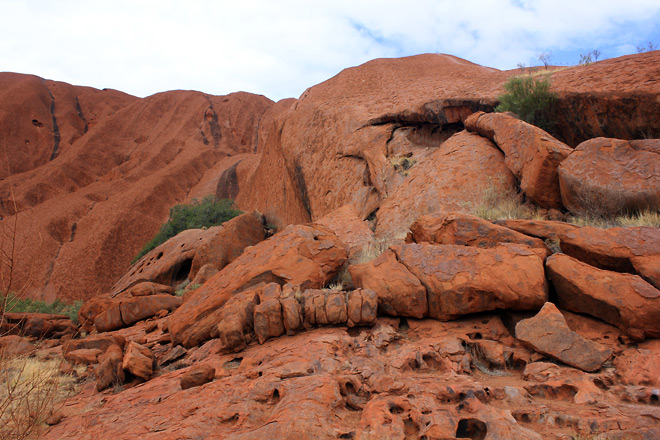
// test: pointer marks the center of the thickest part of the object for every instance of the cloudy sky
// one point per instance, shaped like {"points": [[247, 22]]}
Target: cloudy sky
{"points": [[278, 48]]}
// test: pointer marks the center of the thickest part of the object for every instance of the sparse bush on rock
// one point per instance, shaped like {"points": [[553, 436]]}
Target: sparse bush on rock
{"points": [[530, 98], [200, 214]]}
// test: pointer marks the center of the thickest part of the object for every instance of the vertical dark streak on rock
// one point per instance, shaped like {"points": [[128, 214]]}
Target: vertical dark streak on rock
{"points": [[56, 130], [302, 186], [80, 114]]}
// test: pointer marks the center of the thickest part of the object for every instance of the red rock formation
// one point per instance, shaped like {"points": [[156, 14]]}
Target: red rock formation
{"points": [[84, 214], [548, 333], [608, 177], [456, 176], [461, 280], [181, 257], [616, 98], [469, 230], [305, 256], [531, 154], [623, 300]]}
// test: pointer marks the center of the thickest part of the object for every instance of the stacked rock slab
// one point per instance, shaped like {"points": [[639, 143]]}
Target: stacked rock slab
{"points": [[530, 153], [469, 230], [631, 249], [307, 256], [461, 280], [268, 311]]}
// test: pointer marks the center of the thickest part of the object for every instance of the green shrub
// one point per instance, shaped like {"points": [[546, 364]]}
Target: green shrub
{"points": [[208, 212], [27, 305], [530, 98]]}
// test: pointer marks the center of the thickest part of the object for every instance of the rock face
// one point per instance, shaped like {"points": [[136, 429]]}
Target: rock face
{"points": [[305, 256], [609, 176], [120, 164], [548, 333], [334, 142], [456, 176], [623, 300], [181, 257], [372, 149], [461, 280], [531, 154], [612, 98], [350, 229]]}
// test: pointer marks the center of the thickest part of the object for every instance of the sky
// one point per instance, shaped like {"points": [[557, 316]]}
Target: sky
{"points": [[279, 48]]}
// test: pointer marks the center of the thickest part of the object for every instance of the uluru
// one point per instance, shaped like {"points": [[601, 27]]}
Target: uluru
{"points": [[397, 253]]}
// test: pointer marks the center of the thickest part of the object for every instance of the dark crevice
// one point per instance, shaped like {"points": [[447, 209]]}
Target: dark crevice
{"points": [[366, 177], [56, 129], [210, 117], [74, 226], [80, 115], [471, 428], [302, 186], [441, 112], [181, 271], [228, 183]]}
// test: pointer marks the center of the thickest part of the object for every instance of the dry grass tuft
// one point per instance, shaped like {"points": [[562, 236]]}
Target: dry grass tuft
{"points": [[498, 204], [31, 389], [643, 218]]}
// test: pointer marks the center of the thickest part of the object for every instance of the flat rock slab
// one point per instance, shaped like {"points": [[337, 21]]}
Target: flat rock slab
{"points": [[469, 230], [548, 333]]}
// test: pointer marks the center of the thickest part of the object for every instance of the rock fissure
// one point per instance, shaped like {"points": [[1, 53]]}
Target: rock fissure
{"points": [[56, 130]]}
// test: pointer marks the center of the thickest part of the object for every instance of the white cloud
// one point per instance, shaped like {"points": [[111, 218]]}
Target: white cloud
{"points": [[281, 48]]}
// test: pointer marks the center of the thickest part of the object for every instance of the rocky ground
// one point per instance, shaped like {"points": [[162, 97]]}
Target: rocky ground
{"points": [[383, 308]]}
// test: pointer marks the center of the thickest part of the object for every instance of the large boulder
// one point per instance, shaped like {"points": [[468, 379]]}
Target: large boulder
{"points": [[548, 333], [303, 255], [609, 177], [456, 176], [400, 293], [461, 280], [623, 300], [138, 360], [469, 230], [110, 371], [125, 312], [530, 153], [181, 257]]}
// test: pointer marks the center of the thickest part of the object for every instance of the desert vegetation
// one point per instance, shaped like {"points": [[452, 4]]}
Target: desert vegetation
{"points": [[199, 214], [530, 98]]}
